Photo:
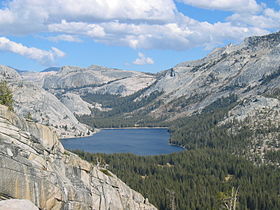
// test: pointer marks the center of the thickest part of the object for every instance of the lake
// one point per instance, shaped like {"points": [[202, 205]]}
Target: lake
{"points": [[152, 141]]}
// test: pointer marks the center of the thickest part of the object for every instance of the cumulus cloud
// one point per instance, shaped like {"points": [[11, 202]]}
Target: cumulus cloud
{"points": [[228, 5], [268, 19], [143, 60], [272, 13], [153, 24], [41, 56], [64, 37], [29, 16], [185, 34], [92, 30]]}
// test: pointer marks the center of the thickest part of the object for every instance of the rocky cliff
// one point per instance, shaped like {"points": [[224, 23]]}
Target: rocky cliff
{"points": [[35, 166]]}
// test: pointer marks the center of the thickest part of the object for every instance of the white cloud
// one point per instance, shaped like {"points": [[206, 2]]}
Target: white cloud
{"points": [[41, 56], [91, 30], [32, 16], [64, 37], [185, 34], [268, 19], [153, 24], [260, 21], [228, 5], [143, 60], [272, 13]]}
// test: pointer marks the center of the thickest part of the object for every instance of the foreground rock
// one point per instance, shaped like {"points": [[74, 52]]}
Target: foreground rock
{"points": [[17, 204], [35, 166]]}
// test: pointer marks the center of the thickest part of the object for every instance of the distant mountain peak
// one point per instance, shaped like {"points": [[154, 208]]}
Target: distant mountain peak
{"points": [[51, 69]]}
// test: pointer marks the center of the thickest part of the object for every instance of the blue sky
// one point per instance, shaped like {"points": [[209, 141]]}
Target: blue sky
{"points": [[137, 35]]}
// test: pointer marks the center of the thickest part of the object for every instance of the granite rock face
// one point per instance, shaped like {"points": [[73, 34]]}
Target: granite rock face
{"points": [[35, 166]]}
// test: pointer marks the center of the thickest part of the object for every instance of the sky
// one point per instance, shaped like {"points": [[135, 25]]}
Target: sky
{"points": [[141, 35]]}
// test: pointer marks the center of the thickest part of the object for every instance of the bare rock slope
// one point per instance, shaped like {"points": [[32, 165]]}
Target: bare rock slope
{"points": [[35, 166]]}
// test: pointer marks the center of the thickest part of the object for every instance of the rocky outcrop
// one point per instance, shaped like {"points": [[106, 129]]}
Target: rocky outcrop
{"points": [[35, 166]]}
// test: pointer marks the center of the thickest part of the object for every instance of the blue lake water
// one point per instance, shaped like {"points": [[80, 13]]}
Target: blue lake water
{"points": [[136, 141]]}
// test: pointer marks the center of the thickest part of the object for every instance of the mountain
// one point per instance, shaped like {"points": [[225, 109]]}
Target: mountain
{"points": [[51, 69], [35, 166], [251, 68], [97, 79]]}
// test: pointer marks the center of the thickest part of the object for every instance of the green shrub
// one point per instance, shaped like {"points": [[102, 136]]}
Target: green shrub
{"points": [[105, 171], [6, 96]]}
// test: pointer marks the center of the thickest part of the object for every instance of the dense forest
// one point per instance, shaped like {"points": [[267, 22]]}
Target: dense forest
{"points": [[196, 179], [214, 167], [202, 130]]}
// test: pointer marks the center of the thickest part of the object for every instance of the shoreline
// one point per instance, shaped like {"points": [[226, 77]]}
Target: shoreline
{"points": [[128, 128], [97, 130]]}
